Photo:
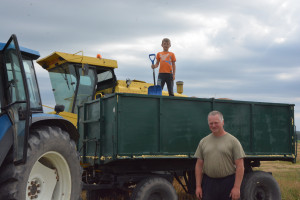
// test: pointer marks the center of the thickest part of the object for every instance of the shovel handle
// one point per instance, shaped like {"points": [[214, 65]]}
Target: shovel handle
{"points": [[154, 77], [152, 58]]}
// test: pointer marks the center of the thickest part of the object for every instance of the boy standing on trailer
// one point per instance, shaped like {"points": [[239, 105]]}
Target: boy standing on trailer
{"points": [[167, 69]]}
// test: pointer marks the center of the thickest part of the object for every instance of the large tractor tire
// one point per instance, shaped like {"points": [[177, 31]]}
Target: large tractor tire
{"points": [[259, 185], [52, 170], [154, 188]]}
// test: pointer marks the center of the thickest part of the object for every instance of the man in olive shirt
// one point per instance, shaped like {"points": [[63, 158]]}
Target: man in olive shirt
{"points": [[219, 169]]}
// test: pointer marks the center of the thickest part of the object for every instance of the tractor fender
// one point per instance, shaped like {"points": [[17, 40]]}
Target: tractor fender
{"points": [[6, 136], [42, 119]]}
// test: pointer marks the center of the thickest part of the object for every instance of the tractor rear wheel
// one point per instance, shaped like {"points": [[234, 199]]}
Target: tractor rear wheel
{"points": [[52, 169]]}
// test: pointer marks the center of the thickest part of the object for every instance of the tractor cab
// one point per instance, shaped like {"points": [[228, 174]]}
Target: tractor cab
{"points": [[27, 57], [76, 78], [19, 97]]}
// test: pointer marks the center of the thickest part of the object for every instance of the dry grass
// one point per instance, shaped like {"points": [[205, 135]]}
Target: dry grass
{"points": [[286, 174]]}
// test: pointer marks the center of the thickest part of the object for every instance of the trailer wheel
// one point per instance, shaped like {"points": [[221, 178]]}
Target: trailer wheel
{"points": [[154, 188], [259, 185], [52, 169]]}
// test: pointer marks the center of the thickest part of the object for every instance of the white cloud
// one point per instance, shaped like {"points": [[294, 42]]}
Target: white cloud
{"points": [[280, 40], [289, 75]]}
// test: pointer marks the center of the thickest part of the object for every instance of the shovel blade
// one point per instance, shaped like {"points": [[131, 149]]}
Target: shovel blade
{"points": [[155, 90]]}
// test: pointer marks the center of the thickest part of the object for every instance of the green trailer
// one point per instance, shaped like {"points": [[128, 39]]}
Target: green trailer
{"points": [[129, 140]]}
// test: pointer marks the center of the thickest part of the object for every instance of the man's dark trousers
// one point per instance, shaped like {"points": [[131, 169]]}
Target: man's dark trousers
{"points": [[217, 188]]}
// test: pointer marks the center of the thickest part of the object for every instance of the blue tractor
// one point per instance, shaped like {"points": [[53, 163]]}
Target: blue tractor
{"points": [[38, 155]]}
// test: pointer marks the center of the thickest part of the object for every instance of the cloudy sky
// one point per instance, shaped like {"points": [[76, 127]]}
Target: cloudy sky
{"points": [[242, 50]]}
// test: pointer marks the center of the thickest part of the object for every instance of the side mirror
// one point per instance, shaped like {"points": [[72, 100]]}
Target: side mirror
{"points": [[59, 108], [85, 70]]}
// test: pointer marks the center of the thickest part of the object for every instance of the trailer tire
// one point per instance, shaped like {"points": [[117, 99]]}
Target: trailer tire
{"points": [[154, 188], [52, 169], [259, 185]]}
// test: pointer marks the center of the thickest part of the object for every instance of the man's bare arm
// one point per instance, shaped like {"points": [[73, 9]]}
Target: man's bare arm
{"points": [[239, 174], [199, 175]]}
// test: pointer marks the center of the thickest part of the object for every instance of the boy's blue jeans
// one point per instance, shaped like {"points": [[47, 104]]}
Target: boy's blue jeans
{"points": [[166, 78]]}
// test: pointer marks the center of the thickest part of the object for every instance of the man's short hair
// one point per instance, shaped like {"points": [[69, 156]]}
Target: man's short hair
{"points": [[215, 112]]}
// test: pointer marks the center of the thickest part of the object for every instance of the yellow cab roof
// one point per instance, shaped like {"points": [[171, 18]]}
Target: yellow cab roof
{"points": [[58, 58]]}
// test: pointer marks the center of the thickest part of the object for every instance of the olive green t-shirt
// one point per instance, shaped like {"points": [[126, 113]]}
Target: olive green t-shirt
{"points": [[219, 154]]}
